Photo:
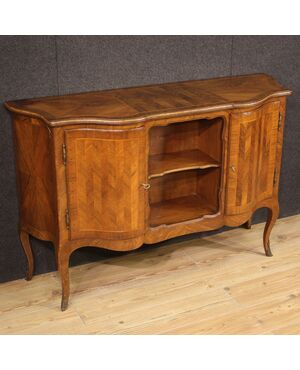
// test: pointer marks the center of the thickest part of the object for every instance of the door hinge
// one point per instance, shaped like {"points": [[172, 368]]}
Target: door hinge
{"points": [[279, 121], [67, 217], [275, 177], [64, 154]]}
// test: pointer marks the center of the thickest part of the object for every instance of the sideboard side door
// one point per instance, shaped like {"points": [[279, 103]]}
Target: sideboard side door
{"points": [[104, 171], [266, 176], [252, 158]]}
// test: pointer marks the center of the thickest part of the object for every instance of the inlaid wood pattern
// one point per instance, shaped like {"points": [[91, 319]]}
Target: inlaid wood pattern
{"points": [[252, 157], [105, 170], [151, 102], [36, 181], [270, 129]]}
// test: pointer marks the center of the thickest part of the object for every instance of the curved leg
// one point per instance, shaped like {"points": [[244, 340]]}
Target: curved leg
{"points": [[248, 224], [24, 237], [63, 266], [56, 255], [272, 217]]}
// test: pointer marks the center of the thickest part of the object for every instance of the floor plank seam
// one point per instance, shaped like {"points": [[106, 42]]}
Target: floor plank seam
{"points": [[174, 315], [80, 317]]}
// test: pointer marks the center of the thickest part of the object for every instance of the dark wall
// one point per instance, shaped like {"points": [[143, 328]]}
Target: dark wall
{"points": [[32, 66]]}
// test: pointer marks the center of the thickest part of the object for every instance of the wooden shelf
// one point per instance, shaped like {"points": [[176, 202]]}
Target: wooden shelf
{"points": [[162, 164], [180, 209]]}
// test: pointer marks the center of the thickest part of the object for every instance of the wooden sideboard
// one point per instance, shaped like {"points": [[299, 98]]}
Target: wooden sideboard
{"points": [[119, 168]]}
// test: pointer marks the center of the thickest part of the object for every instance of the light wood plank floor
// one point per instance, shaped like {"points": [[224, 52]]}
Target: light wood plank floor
{"points": [[222, 284]]}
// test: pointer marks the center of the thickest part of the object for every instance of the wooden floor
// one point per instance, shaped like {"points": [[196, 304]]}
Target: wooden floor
{"points": [[222, 284]]}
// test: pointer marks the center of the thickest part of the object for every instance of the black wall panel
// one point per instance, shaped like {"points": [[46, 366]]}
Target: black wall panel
{"points": [[93, 62], [32, 66]]}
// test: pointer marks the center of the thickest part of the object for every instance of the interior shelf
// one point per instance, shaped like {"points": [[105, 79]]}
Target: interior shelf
{"points": [[162, 164], [184, 170], [180, 209]]}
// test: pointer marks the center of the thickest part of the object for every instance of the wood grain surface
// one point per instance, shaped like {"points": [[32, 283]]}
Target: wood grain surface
{"points": [[104, 176], [220, 284], [162, 164], [136, 104]]}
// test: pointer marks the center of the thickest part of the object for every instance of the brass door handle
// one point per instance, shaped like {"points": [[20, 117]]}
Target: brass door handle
{"points": [[146, 186], [232, 168]]}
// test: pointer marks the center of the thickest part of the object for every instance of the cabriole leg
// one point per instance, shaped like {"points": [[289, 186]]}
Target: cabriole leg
{"points": [[272, 217], [63, 266], [24, 237], [56, 255]]}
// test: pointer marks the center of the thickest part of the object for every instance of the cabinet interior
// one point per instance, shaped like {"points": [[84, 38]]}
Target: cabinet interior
{"points": [[185, 161]]}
